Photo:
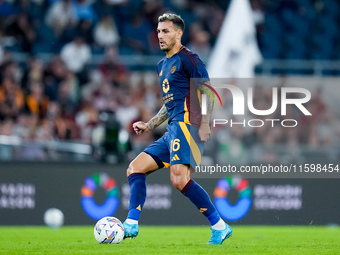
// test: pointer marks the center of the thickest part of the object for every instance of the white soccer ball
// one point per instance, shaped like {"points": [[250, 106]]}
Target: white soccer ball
{"points": [[109, 230], [54, 218]]}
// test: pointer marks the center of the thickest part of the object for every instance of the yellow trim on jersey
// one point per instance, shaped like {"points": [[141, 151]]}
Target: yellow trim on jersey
{"points": [[199, 96], [193, 146], [186, 112], [166, 165]]}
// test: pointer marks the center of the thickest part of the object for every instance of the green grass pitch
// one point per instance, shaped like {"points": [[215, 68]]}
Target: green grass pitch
{"points": [[172, 240]]}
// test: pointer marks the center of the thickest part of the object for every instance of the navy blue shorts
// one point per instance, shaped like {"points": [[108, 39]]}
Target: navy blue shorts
{"points": [[179, 145]]}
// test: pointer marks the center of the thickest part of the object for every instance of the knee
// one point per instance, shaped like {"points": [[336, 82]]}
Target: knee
{"points": [[179, 177], [130, 170], [134, 168], [178, 183]]}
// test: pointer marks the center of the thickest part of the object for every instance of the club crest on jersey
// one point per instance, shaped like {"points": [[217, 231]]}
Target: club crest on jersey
{"points": [[166, 85], [173, 69]]}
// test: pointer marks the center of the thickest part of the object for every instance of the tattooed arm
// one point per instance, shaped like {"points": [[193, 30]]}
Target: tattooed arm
{"points": [[204, 129], [142, 127]]}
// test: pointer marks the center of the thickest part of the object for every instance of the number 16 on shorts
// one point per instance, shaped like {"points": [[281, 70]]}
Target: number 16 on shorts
{"points": [[175, 145]]}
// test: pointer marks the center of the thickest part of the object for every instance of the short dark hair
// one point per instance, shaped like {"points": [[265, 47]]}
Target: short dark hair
{"points": [[176, 20]]}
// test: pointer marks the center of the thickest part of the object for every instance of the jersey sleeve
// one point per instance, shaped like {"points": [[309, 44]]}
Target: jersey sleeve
{"points": [[195, 68]]}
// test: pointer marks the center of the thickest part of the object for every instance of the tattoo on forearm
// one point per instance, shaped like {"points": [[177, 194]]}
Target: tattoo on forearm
{"points": [[210, 107], [158, 119]]}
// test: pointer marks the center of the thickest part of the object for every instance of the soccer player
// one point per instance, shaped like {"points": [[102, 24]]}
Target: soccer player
{"points": [[181, 147]]}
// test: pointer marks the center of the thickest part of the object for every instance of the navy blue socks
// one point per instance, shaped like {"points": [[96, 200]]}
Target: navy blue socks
{"points": [[200, 198], [197, 195], [137, 184]]}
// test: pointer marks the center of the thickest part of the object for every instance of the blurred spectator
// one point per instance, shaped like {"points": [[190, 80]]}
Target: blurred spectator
{"points": [[105, 32], [84, 10], [10, 68], [53, 75], [74, 90], [34, 10], [11, 98], [6, 127], [325, 130], [86, 91], [138, 34], [61, 15], [111, 68], [84, 30], [45, 130], [152, 9], [36, 101], [87, 120], [26, 126], [66, 103], [6, 9], [32, 126], [64, 128], [20, 127], [126, 112], [34, 72], [6, 58], [77, 55], [22, 30], [214, 20], [107, 7], [29, 149], [104, 97], [152, 97], [199, 42]]}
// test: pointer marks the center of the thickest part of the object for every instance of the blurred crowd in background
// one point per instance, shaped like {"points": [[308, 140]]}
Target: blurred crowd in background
{"points": [[51, 25], [63, 98]]}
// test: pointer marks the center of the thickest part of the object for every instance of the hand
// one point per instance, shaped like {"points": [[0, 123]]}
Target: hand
{"points": [[140, 127], [204, 132]]}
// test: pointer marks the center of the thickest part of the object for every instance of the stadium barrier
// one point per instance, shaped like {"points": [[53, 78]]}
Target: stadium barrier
{"points": [[88, 191], [317, 68]]}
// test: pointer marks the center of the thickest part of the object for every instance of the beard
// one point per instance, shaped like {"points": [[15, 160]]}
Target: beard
{"points": [[169, 46]]}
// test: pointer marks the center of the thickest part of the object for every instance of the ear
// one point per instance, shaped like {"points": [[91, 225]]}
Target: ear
{"points": [[179, 34]]}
